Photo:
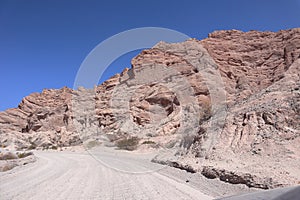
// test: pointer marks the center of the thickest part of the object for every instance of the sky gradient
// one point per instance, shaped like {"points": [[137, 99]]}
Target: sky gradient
{"points": [[43, 43]]}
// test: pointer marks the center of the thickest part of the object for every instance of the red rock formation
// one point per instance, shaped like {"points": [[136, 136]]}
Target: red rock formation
{"points": [[252, 61], [173, 95], [41, 119]]}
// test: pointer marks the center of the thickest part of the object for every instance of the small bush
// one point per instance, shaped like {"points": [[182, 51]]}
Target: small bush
{"points": [[54, 147], [148, 142], [92, 144], [24, 154], [206, 110], [31, 147], [128, 144], [206, 114]]}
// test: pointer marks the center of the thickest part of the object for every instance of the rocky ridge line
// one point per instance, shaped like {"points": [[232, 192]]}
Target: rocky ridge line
{"points": [[260, 71]]}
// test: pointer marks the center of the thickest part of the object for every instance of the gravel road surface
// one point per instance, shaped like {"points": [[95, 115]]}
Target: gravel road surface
{"points": [[74, 175]]}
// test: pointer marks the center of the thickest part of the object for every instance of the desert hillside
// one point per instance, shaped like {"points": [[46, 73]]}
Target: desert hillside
{"points": [[227, 106]]}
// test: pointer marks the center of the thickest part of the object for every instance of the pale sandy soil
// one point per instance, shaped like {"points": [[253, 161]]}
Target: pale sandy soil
{"points": [[112, 175]]}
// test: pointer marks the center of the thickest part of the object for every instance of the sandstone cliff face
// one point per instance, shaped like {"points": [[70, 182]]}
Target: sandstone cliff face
{"points": [[136, 104], [261, 135], [41, 120], [252, 61], [261, 71], [227, 105]]}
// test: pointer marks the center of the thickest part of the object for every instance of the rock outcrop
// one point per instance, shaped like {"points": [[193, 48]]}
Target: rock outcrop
{"points": [[261, 133], [252, 61], [227, 106], [41, 120]]}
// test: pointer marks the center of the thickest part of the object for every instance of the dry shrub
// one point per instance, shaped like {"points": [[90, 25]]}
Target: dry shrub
{"points": [[92, 144], [24, 154], [148, 142], [205, 108], [31, 147], [128, 144]]}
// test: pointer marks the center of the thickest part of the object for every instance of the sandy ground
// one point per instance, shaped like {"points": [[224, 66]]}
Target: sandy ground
{"points": [[105, 175]]}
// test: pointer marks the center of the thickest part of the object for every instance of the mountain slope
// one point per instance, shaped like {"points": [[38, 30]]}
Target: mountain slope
{"points": [[226, 106]]}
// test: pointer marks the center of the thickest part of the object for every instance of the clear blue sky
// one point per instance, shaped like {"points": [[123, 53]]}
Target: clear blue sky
{"points": [[43, 42]]}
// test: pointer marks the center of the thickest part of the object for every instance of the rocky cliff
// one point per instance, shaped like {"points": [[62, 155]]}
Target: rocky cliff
{"points": [[227, 106]]}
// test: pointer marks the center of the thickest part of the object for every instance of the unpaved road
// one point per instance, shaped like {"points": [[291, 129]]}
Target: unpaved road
{"points": [[68, 175]]}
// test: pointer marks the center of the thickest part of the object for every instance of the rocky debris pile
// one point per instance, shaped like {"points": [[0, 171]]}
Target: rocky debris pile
{"points": [[239, 178]]}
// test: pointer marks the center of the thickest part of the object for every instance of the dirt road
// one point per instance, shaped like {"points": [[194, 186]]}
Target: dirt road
{"points": [[68, 175]]}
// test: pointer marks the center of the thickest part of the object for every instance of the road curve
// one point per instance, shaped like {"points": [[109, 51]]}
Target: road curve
{"points": [[68, 175]]}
